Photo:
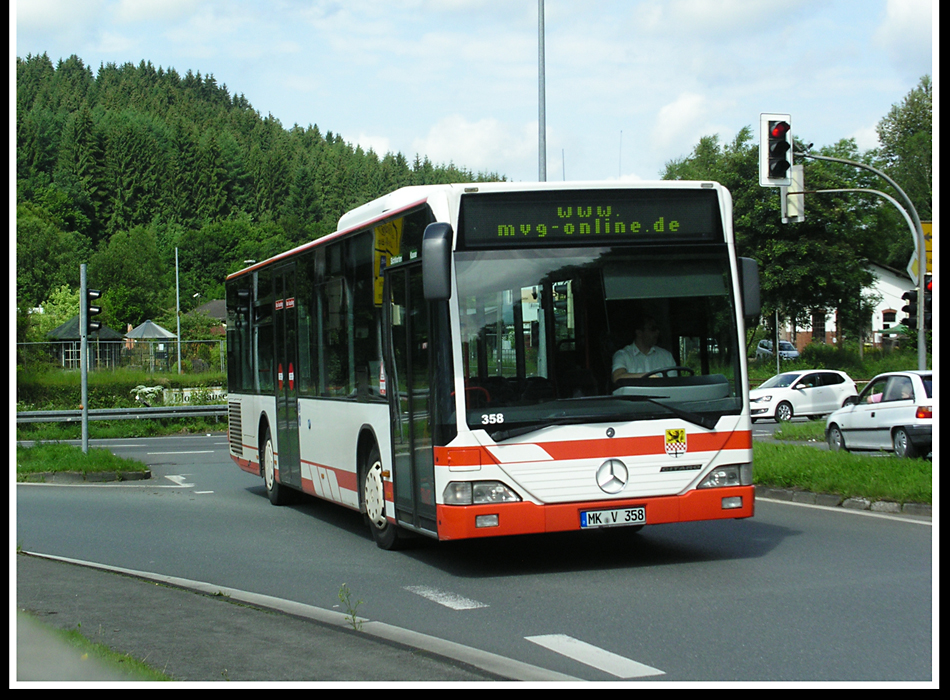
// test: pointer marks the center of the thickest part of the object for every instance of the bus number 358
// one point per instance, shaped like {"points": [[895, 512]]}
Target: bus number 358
{"points": [[493, 418]]}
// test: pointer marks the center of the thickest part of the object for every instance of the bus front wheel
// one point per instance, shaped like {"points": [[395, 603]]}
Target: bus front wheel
{"points": [[278, 495], [374, 503]]}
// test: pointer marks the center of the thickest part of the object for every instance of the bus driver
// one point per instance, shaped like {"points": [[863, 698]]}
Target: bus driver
{"points": [[643, 355]]}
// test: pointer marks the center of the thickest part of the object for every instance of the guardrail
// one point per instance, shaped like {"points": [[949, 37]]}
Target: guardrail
{"points": [[75, 415]]}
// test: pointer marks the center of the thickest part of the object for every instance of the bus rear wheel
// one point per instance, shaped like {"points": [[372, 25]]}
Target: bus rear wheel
{"points": [[374, 503]]}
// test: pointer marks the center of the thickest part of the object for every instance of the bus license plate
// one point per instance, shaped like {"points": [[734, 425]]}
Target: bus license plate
{"points": [[636, 515]]}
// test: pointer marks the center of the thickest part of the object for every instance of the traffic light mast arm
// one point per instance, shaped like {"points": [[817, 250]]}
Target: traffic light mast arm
{"points": [[917, 232]]}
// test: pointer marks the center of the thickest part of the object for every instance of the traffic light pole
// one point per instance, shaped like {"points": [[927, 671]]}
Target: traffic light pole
{"points": [[917, 233], [84, 356]]}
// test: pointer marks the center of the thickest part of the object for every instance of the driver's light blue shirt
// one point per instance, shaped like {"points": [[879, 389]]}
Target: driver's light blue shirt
{"points": [[631, 360]]}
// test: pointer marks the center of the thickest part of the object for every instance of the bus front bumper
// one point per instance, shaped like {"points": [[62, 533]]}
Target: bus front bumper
{"points": [[493, 520]]}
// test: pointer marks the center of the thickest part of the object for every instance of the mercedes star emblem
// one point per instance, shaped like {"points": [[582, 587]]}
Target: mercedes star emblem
{"points": [[612, 476]]}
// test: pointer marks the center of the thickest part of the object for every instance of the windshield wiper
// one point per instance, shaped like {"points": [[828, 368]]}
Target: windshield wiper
{"points": [[703, 420], [500, 435]]}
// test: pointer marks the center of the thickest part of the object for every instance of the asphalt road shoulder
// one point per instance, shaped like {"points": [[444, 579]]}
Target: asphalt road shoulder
{"points": [[197, 637]]}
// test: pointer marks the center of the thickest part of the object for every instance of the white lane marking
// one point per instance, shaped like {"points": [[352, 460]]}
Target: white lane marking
{"points": [[590, 655], [449, 600], [187, 452], [178, 479]]}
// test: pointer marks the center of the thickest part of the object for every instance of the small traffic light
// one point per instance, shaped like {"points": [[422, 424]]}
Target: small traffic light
{"points": [[775, 150], [928, 301], [92, 310], [910, 308]]}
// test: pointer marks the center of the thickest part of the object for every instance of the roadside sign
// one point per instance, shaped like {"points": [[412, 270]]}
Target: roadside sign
{"points": [[927, 227]]}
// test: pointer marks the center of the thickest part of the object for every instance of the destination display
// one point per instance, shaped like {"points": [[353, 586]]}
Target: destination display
{"points": [[588, 217]]}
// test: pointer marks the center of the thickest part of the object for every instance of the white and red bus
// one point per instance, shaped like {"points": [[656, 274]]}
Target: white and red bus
{"points": [[443, 361]]}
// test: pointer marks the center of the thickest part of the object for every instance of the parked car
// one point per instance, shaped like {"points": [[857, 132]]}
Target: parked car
{"points": [[812, 392], [893, 413], [786, 350]]}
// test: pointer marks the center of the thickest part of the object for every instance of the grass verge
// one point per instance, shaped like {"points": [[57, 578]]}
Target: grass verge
{"points": [[123, 666], [48, 457], [846, 474], [101, 430]]}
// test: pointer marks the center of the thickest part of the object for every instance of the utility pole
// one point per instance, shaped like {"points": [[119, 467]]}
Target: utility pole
{"points": [[542, 145]]}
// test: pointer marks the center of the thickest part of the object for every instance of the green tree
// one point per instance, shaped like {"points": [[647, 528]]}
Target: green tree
{"points": [[803, 267], [129, 271], [61, 305], [47, 256], [906, 153]]}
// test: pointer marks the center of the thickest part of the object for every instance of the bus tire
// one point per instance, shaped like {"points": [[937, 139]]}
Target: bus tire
{"points": [[374, 502], [279, 495]]}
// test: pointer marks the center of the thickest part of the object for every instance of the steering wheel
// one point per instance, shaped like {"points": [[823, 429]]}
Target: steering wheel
{"points": [[665, 371]]}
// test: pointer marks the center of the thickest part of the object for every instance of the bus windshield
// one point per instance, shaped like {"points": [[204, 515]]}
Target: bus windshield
{"points": [[541, 329]]}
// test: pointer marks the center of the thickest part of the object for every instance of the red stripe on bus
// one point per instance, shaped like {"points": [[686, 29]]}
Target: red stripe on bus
{"points": [[601, 448], [345, 479]]}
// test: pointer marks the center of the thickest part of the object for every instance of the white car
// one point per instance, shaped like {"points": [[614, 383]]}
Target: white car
{"points": [[811, 392], [893, 413]]}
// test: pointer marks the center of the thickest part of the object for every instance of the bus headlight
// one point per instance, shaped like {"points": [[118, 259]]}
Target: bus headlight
{"points": [[466, 493], [729, 475]]}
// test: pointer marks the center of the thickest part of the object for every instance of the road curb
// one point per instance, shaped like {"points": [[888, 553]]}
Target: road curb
{"points": [[83, 477], [833, 501]]}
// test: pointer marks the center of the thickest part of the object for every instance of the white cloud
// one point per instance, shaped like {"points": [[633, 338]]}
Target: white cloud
{"points": [[680, 120], [486, 144], [380, 145], [906, 33], [111, 42], [55, 14], [866, 138], [155, 10]]}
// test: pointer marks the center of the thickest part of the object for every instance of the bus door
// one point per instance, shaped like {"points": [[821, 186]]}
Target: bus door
{"points": [[408, 389], [285, 353]]}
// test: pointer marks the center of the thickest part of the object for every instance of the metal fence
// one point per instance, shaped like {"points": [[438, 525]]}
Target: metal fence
{"points": [[75, 415], [197, 356]]}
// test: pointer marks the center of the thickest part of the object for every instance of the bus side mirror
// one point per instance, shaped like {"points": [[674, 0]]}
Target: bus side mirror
{"points": [[749, 281], [437, 262]]}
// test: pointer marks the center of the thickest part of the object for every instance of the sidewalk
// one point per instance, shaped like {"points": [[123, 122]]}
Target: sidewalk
{"points": [[196, 637]]}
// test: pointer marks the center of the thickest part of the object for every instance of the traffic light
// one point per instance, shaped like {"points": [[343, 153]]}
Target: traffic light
{"points": [[910, 308], [775, 150], [92, 310], [928, 299]]}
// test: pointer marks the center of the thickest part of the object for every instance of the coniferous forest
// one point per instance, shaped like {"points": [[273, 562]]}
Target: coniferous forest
{"points": [[119, 167]]}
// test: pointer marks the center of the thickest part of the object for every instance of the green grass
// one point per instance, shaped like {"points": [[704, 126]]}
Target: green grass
{"points": [[124, 666], [849, 475], [152, 427], [60, 457], [812, 431]]}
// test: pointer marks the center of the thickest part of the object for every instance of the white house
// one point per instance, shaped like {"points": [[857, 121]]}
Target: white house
{"points": [[888, 287]]}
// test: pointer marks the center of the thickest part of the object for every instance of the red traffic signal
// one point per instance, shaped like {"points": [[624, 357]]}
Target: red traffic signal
{"points": [[775, 150]]}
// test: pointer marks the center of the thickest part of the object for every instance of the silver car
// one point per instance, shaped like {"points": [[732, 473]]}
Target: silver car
{"points": [[786, 350], [894, 413]]}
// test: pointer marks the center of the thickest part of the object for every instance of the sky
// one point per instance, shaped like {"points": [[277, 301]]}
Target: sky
{"points": [[629, 84]]}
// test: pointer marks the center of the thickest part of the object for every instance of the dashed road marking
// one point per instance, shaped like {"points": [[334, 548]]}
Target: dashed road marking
{"points": [[449, 600], [588, 654]]}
